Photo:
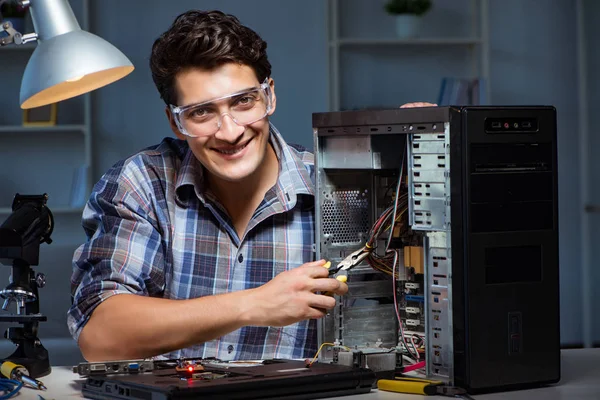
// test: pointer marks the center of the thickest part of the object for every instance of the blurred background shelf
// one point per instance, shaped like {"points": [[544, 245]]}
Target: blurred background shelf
{"points": [[371, 66], [468, 41], [31, 129]]}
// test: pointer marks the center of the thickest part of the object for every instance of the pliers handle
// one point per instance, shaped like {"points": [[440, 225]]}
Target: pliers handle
{"points": [[422, 386], [352, 260]]}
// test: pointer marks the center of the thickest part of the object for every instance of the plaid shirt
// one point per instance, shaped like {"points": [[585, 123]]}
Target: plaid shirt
{"points": [[153, 231]]}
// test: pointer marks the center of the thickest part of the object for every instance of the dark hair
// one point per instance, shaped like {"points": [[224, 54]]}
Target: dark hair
{"points": [[205, 39]]}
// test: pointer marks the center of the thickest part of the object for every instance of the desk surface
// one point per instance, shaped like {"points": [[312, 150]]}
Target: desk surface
{"points": [[580, 380]]}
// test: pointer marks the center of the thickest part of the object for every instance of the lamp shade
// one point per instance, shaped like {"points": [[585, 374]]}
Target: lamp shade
{"points": [[67, 61]]}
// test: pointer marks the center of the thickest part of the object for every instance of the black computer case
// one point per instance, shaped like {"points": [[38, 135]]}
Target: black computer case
{"points": [[505, 278], [502, 197]]}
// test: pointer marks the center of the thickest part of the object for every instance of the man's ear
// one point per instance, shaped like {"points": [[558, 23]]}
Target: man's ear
{"points": [[173, 125], [273, 97]]}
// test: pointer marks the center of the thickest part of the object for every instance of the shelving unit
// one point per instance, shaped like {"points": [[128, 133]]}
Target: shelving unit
{"points": [[477, 42], [409, 42], [44, 158]]}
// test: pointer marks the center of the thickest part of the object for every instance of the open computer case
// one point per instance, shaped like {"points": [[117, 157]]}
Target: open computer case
{"points": [[466, 277]]}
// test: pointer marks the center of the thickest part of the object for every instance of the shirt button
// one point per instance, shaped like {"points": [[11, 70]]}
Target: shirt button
{"points": [[230, 348], [240, 258]]}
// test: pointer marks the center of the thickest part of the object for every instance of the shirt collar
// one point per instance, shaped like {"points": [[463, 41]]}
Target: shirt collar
{"points": [[294, 178], [190, 178]]}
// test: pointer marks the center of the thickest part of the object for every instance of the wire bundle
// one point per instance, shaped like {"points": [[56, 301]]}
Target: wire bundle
{"points": [[9, 387], [389, 264], [384, 263]]}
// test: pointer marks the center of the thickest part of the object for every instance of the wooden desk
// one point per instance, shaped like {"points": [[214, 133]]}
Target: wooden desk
{"points": [[580, 380]]}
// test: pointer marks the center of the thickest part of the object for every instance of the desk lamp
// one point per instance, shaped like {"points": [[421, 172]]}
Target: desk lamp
{"points": [[67, 61]]}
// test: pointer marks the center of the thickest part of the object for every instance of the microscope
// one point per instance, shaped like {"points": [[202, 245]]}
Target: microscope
{"points": [[29, 225]]}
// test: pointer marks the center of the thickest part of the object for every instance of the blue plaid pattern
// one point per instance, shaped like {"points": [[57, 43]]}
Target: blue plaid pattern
{"points": [[153, 231]]}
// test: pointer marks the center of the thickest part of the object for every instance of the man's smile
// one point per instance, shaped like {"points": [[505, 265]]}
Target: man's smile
{"points": [[231, 150]]}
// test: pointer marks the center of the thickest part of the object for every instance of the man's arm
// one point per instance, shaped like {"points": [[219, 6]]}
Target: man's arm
{"points": [[129, 326]]}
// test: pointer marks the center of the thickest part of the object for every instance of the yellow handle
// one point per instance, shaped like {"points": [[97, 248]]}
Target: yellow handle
{"points": [[341, 278], [406, 386], [8, 367]]}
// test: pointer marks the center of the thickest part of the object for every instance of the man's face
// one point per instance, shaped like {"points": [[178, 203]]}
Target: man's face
{"points": [[234, 152]]}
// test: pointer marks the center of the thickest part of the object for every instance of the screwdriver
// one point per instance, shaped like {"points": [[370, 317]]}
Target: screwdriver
{"points": [[19, 373]]}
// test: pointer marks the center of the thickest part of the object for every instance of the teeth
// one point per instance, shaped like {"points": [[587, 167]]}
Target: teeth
{"points": [[233, 151]]}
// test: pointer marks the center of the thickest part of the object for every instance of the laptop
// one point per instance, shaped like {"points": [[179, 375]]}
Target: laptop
{"points": [[206, 379]]}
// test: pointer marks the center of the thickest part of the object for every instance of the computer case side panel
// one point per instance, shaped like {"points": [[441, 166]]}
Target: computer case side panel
{"points": [[510, 238], [457, 193]]}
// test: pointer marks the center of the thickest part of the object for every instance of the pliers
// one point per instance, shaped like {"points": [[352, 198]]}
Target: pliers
{"points": [[352, 260], [422, 386]]}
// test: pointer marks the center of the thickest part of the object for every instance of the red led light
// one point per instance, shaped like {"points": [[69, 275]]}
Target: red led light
{"points": [[191, 369], [506, 125]]}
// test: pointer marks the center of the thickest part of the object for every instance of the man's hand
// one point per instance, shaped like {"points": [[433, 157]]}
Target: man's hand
{"points": [[295, 295], [418, 104]]}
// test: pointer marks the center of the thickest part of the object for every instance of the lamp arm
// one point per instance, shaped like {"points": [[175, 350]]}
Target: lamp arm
{"points": [[13, 36]]}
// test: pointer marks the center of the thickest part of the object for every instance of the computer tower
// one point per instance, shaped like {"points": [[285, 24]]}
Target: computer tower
{"points": [[457, 209]]}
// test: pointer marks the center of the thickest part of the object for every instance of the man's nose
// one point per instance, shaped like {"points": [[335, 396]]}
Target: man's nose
{"points": [[229, 131]]}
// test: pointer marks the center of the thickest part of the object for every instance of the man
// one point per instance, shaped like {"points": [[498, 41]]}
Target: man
{"points": [[204, 246]]}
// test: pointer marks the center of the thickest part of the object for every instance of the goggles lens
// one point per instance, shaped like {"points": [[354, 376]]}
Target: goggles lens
{"points": [[205, 119]]}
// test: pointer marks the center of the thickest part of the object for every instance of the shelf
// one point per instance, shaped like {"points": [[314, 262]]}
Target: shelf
{"points": [[19, 47], [408, 42], [56, 210], [34, 129], [351, 46]]}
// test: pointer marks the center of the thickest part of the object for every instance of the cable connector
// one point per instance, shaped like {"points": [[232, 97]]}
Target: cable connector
{"points": [[20, 373]]}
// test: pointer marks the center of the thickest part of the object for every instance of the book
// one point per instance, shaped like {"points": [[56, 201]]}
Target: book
{"points": [[79, 187], [462, 92]]}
